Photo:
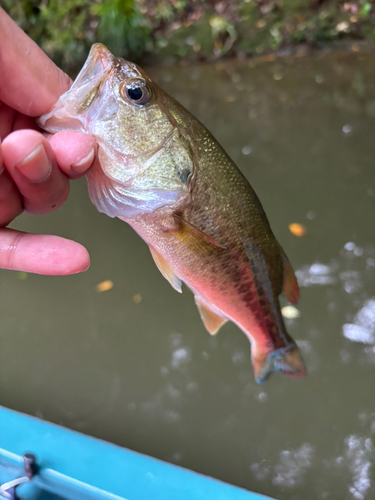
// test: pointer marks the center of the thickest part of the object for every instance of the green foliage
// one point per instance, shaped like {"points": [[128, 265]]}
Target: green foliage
{"points": [[61, 27], [122, 28], [65, 29], [365, 8], [159, 29]]}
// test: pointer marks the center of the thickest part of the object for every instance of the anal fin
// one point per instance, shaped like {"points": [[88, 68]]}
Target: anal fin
{"points": [[290, 285], [165, 269], [212, 321]]}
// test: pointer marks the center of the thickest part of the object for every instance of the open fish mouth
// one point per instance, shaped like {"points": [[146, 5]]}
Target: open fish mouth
{"points": [[98, 62], [67, 114]]}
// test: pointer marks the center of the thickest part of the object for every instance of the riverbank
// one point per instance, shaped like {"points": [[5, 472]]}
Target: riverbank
{"points": [[160, 30]]}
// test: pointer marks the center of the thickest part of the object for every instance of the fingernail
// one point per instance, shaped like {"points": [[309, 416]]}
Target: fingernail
{"points": [[36, 167], [84, 163]]}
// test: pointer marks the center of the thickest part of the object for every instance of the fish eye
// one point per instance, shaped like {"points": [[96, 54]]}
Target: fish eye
{"points": [[136, 91]]}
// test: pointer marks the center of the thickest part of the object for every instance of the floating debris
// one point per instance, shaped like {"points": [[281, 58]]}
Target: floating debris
{"points": [[21, 275], [137, 299], [297, 229], [104, 286], [290, 312]]}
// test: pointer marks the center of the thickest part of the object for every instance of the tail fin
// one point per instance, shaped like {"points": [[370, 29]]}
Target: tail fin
{"points": [[286, 360]]}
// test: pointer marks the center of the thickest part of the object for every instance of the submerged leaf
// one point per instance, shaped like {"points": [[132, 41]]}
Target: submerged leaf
{"points": [[297, 229], [104, 286], [290, 312]]}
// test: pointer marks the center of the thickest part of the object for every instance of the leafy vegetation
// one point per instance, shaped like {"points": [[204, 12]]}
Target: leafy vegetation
{"points": [[195, 29]]}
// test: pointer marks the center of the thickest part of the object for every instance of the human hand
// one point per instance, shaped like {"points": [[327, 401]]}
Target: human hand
{"points": [[35, 170]]}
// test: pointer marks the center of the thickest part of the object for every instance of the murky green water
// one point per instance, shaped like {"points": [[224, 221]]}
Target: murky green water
{"points": [[148, 376]]}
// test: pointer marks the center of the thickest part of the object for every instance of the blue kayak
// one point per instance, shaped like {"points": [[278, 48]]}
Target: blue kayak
{"points": [[61, 464]]}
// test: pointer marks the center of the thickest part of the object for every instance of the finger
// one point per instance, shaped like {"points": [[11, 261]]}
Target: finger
{"points": [[22, 122], [10, 200], [30, 81], [41, 254], [74, 152], [30, 161], [11, 120], [7, 117]]}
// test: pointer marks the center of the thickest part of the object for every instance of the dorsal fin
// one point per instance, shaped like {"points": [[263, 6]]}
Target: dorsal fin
{"points": [[165, 269], [212, 321], [195, 239], [290, 285]]}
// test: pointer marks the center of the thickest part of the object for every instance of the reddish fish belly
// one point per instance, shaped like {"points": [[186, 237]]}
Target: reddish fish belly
{"points": [[237, 302]]}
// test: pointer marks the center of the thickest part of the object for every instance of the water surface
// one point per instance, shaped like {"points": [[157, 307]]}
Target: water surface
{"points": [[135, 366]]}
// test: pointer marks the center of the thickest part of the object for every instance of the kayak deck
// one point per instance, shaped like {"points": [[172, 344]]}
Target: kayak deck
{"points": [[72, 466]]}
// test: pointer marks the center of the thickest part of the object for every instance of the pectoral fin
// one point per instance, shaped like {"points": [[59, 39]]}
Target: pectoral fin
{"points": [[290, 285], [212, 321], [195, 239], [165, 269]]}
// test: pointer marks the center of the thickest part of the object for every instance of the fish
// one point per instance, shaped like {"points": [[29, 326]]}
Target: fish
{"points": [[160, 170]]}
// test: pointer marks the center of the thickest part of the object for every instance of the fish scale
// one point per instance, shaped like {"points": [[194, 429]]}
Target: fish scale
{"points": [[161, 171]]}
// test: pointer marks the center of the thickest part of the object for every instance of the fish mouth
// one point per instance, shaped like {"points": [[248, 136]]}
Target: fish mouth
{"points": [[68, 112], [98, 63]]}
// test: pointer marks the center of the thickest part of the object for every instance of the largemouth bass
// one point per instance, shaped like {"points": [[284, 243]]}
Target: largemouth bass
{"points": [[161, 171]]}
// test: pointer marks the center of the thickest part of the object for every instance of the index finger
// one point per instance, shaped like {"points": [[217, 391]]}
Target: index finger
{"points": [[30, 82], [41, 254]]}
